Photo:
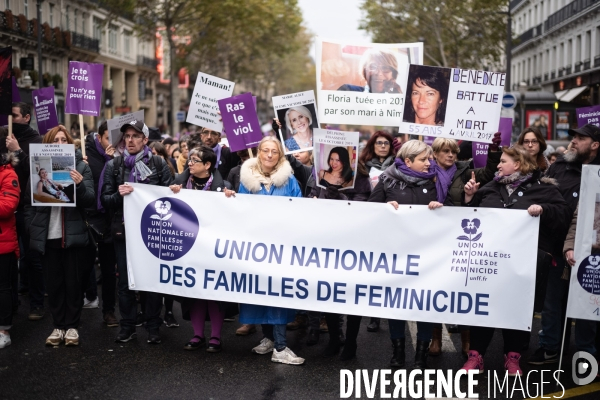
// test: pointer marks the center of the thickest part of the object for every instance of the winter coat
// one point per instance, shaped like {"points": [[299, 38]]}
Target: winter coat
{"points": [[99, 221], [217, 185], [284, 184], [463, 174], [25, 136], [111, 199], [569, 243], [404, 192], [75, 231], [360, 192], [539, 190], [9, 201], [228, 160], [234, 177]]}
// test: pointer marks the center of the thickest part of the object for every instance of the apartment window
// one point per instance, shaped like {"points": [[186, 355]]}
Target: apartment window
{"points": [[51, 15], [569, 58], [54, 67], [68, 19], [587, 52], [7, 4], [126, 42], [561, 54], [26, 8], [112, 38], [75, 21]]}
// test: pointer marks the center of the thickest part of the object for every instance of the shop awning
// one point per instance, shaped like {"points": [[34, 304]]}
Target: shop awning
{"points": [[560, 93], [572, 93]]}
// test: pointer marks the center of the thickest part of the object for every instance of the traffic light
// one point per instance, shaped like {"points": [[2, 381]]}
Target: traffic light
{"points": [[108, 100]]}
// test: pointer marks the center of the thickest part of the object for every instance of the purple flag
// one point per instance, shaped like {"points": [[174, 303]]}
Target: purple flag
{"points": [[84, 88], [240, 121], [480, 150], [588, 115], [45, 109], [16, 97], [428, 140]]}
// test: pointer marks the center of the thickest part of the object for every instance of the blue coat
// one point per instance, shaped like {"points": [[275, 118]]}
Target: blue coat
{"points": [[255, 314]]}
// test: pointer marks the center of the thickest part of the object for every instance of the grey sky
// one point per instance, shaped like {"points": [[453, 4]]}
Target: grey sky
{"points": [[334, 19]]}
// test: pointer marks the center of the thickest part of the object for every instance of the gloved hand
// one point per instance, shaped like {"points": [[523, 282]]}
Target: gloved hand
{"points": [[397, 144], [496, 140], [276, 125], [332, 193]]}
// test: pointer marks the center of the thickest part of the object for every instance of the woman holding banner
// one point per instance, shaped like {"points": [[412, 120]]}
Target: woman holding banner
{"points": [[411, 180], [203, 175], [533, 141], [518, 185], [270, 174], [61, 235]]}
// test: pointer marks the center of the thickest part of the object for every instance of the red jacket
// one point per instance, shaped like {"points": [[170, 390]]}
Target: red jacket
{"points": [[9, 200]]}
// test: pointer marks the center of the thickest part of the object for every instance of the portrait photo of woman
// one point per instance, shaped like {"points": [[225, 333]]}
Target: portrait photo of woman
{"points": [[337, 169], [296, 126], [427, 95], [379, 69]]}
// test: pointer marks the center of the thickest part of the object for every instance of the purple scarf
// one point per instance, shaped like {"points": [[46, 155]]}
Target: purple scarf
{"points": [[190, 185], [136, 163], [107, 158], [443, 181], [217, 149], [514, 181]]}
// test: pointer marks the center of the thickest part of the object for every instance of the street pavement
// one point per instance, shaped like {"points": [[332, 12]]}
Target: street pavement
{"points": [[99, 368]]}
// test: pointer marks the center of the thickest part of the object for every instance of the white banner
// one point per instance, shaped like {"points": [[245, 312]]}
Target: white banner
{"points": [[114, 126], [458, 265], [584, 292], [203, 104]]}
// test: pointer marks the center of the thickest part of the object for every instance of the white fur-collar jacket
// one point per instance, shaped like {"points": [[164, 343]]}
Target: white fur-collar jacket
{"points": [[251, 179]]}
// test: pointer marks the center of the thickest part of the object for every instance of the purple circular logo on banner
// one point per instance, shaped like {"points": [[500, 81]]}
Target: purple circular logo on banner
{"points": [[588, 274], [169, 228]]}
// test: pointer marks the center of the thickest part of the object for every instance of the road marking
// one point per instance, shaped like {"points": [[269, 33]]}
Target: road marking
{"points": [[574, 392]]}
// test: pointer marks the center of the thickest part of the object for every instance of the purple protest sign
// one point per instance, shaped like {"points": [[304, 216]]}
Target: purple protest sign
{"points": [[45, 109], [16, 97], [84, 88], [588, 115], [240, 121], [428, 140], [480, 150]]}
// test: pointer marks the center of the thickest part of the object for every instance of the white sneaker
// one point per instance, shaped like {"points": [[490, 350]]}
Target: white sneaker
{"points": [[91, 304], [266, 346], [286, 356], [72, 337], [4, 340], [56, 337]]}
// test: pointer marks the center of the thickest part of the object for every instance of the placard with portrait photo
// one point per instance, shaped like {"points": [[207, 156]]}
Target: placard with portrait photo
{"points": [[363, 84], [297, 114], [336, 158], [51, 182]]}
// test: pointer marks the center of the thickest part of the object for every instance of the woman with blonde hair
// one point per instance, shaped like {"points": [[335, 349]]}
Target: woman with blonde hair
{"points": [[269, 174], [518, 185], [298, 121]]}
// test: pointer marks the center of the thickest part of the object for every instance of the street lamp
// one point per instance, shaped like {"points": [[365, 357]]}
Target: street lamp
{"points": [[522, 92], [39, 20]]}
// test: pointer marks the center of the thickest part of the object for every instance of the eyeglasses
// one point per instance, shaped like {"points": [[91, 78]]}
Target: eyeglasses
{"points": [[383, 68], [530, 142], [267, 151], [206, 133], [382, 143], [133, 137], [194, 161]]}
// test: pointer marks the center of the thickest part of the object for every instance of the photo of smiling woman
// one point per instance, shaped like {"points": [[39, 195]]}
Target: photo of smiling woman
{"points": [[379, 69], [427, 95], [337, 169], [297, 127]]}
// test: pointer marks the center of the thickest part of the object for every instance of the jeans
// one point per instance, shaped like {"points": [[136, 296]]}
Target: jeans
{"points": [[32, 261], [276, 333], [553, 314], [127, 302], [7, 264], [106, 256], [397, 328], [585, 335], [65, 270]]}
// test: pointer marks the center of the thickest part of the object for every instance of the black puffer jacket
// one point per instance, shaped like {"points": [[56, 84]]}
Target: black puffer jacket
{"points": [[111, 199], [75, 230], [234, 177], [25, 136], [568, 176], [217, 185], [539, 190], [100, 221]]}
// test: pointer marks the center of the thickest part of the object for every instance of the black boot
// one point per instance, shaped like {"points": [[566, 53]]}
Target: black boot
{"points": [[373, 325], [398, 357], [333, 347], [349, 351], [421, 354], [313, 337]]}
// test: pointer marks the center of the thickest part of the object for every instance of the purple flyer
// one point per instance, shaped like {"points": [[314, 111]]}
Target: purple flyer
{"points": [[480, 150], [45, 109], [84, 88], [588, 115], [240, 121]]}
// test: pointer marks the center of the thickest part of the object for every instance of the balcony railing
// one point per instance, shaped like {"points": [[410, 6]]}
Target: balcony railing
{"points": [[578, 67], [537, 80], [596, 61], [85, 42], [586, 64], [147, 62], [546, 76], [568, 70], [553, 75], [561, 72], [514, 4], [530, 34], [567, 12]]}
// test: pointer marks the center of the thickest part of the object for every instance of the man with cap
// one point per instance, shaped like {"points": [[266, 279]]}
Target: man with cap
{"points": [[567, 172], [137, 164]]}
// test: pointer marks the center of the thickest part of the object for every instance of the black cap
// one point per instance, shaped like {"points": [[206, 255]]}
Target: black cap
{"points": [[587, 130], [139, 126], [154, 135]]}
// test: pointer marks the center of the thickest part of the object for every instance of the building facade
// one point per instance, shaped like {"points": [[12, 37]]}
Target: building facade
{"points": [[82, 31]]}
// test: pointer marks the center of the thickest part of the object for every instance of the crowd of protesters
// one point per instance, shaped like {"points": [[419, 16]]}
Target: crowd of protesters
{"points": [[52, 251]]}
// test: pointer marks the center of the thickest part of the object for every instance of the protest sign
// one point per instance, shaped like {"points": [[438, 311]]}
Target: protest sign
{"points": [[84, 88], [480, 150], [588, 115], [336, 157], [479, 270], [240, 121], [363, 84], [297, 114], [584, 291], [6, 74], [203, 105], [51, 182], [453, 103], [45, 109], [114, 126]]}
